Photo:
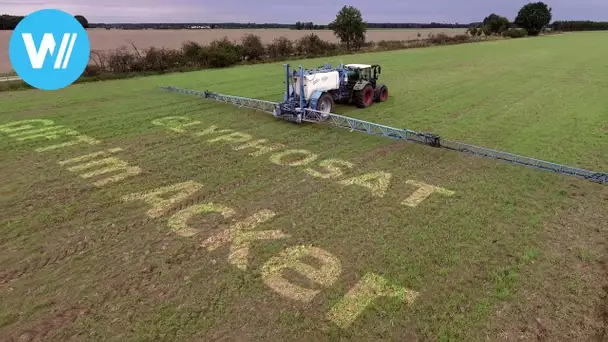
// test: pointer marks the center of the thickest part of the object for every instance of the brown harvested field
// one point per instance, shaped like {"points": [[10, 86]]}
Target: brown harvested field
{"points": [[105, 40]]}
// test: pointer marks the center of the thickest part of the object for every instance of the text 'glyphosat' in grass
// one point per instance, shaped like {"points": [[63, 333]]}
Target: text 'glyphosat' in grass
{"points": [[377, 183]]}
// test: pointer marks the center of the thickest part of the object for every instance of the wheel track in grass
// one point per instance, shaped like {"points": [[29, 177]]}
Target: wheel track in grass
{"points": [[602, 334], [41, 262], [84, 244], [187, 252], [143, 282], [112, 231]]}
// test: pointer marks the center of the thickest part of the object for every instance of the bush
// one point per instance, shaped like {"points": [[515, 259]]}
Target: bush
{"points": [[253, 48], [460, 38], [439, 39], [192, 53], [223, 53], [366, 45], [280, 47], [92, 70], [120, 61], [418, 44], [391, 44], [442, 38], [496, 23], [514, 33], [14, 85], [313, 45], [161, 60]]}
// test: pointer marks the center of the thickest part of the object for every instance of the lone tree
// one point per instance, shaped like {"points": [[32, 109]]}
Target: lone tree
{"points": [[486, 31], [496, 24], [534, 17], [350, 27], [82, 20]]}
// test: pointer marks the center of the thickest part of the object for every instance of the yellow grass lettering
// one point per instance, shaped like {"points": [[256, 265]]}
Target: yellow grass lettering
{"points": [[241, 235], [175, 123], [309, 157], [112, 165], [326, 275], [178, 222], [332, 166], [423, 192], [213, 129], [259, 147], [35, 131], [376, 182], [157, 198], [236, 137], [29, 132], [89, 156], [79, 139], [23, 125], [59, 131], [370, 287]]}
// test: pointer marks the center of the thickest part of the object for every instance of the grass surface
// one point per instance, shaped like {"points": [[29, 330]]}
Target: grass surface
{"points": [[513, 252]]}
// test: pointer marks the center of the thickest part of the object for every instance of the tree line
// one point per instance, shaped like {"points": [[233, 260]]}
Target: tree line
{"points": [[494, 24], [300, 25], [579, 25], [534, 18], [185, 26], [9, 22]]}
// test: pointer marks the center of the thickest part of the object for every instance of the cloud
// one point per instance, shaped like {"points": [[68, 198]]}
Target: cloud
{"points": [[318, 11]]}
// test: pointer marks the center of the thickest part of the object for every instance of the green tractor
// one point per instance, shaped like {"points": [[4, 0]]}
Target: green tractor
{"points": [[319, 89], [363, 85]]}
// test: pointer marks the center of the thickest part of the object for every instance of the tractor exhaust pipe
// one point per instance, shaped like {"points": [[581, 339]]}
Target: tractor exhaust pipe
{"points": [[301, 87], [287, 82]]}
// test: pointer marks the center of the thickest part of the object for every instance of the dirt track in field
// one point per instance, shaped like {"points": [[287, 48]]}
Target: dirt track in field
{"points": [[102, 39]]}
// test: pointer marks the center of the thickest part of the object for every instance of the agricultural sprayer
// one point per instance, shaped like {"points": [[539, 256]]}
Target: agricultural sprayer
{"points": [[311, 94]]}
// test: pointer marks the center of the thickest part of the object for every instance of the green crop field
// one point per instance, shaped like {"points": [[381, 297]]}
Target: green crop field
{"points": [[129, 213]]}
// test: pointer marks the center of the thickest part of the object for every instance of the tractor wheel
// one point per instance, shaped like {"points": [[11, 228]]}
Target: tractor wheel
{"points": [[365, 97], [381, 93], [325, 104]]}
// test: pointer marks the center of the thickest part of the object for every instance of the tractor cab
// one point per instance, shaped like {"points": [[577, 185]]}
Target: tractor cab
{"points": [[363, 72]]}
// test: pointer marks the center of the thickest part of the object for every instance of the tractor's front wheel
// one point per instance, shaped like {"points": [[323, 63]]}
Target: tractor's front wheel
{"points": [[365, 97], [381, 93]]}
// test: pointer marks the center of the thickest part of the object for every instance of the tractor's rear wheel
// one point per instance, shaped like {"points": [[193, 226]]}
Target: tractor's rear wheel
{"points": [[365, 97], [325, 105], [381, 93]]}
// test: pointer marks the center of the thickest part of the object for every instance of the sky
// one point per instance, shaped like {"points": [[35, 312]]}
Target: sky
{"points": [[317, 11]]}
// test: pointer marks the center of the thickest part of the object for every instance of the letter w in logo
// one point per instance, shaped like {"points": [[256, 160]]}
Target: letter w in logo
{"points": [[37, 57]]}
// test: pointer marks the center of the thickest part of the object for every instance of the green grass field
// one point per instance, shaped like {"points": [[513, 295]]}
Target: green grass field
{"points": [[129, 213]]}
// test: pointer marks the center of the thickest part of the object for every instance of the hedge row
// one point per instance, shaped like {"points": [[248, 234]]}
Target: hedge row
{"points": [[515, 33], [130, 61], [224, 53]]}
